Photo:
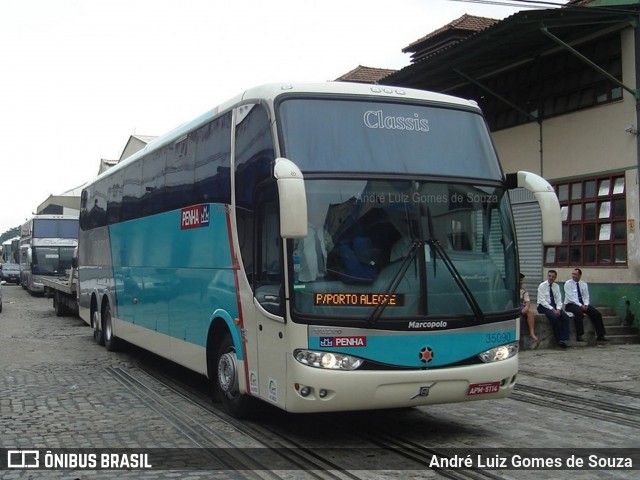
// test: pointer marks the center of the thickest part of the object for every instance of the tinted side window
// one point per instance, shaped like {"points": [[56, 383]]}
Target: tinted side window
{"points": [[94, 207], [254, 155], [179, 173], [114, 183], [153, 167], [213, 160], [267, 281], [131, 192], [194, 169]]}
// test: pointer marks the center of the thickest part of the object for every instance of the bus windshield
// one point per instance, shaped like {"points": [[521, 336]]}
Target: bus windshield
{"points": [[52, 260], [55, 228], [417, 248]]}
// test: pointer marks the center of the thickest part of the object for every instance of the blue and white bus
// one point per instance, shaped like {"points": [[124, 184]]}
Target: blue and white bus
{"points": [[10, 250], [47, 243], [320, 247]]}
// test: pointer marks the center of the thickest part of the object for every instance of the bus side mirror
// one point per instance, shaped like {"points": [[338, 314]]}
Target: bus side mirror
{"points": [[547, 200], [292, 199]]}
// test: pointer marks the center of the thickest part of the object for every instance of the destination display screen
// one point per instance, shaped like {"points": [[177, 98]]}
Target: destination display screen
{"points": [[358, 299]]}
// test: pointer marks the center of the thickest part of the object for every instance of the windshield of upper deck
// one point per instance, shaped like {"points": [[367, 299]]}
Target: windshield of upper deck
{"points": [[321, 134]]}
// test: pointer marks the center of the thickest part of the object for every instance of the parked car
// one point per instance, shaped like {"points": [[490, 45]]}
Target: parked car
{"points": [[2, 282], [10, 272]]}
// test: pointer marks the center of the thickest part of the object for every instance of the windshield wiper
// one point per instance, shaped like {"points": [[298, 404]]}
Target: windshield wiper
{"points": [[395, 281], [468, 295], [446, 259]]}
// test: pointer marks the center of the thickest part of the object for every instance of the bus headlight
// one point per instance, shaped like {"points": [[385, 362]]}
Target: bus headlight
{"points": [[500, 353], [327, 360]]}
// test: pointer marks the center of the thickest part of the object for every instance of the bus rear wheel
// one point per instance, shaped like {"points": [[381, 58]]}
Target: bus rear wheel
{"points": [[227, 381], [98, 332], [110, 340]]}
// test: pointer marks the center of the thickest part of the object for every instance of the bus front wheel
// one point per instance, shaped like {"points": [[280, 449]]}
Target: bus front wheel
{"points": [[227, 381]]}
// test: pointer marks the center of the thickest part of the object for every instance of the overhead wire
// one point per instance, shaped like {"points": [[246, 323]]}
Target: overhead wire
{"points": [[546, 4], [517, 3]]}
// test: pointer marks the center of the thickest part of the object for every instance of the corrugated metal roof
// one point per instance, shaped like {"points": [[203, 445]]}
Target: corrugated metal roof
{"points": [[514, 40]]}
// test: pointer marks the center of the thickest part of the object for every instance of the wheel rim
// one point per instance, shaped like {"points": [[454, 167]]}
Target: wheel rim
{"points": [[107, 324], [227, 374], [94, 321]]}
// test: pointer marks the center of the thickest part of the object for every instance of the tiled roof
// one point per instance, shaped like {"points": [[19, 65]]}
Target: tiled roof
{"points": [[468, 23], [362, 74]]}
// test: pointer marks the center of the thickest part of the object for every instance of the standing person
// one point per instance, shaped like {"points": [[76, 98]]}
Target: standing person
{"points": [[526, 310], [550, 303], [576, 298]]}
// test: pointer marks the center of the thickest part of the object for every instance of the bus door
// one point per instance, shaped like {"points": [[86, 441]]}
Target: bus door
{"points": [[269, 297], [261, 250]]}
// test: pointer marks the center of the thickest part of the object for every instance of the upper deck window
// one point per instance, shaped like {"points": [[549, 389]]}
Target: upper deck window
{"points": [[55, 228], [382, 137]]}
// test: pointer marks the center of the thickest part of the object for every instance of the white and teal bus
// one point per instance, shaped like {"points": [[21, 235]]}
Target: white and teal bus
{"points": [[320, 247]]}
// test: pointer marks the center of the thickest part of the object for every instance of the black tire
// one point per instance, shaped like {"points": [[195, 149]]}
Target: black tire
{"points": [[110, 340], [98, 333], [60, 309], [225, 380]]}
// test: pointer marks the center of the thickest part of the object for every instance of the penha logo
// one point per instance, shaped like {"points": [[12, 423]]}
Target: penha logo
{"points": [[351, 341], [194, 217]]}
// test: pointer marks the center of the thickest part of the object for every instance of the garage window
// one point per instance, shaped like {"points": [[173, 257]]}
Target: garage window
{"points": [[594, 222]]}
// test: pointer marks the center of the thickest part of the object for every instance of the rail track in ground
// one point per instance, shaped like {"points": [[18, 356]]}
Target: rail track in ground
{"points": [[319, 446], [349, 445]]}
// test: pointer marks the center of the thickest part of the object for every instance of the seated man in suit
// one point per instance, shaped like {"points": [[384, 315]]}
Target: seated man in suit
{"points": [[550, 303], [576, 298]]}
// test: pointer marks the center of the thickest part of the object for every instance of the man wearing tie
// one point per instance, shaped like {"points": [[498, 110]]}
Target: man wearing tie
{"points": [[576, 297], [550, 303]]}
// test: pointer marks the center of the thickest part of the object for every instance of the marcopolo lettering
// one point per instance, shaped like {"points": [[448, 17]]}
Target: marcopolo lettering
{"points": [[418, 325]]}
